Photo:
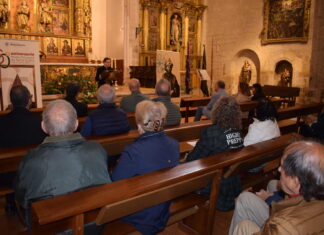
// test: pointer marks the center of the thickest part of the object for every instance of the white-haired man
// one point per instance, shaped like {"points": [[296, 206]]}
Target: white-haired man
{"points": [[107, 119], [128, 103], [63, 163]]}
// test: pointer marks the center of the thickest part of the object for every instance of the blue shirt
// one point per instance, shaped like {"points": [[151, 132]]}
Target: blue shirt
{"points": [[150, 152]]}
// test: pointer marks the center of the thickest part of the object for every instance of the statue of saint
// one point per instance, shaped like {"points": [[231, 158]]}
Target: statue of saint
{"points": [[175, 88], [175, 30], [23, 17], [66, 49], [246, 73], [285, 78], [52, 48], [46, 15], [4, 13]]}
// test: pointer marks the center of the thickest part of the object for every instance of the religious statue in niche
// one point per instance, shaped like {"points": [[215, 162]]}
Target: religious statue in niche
{"points": [[66, 49], [285, 78], [46, 14], [51, 48], [4, 13], [23, 17], [176, 29], [246, 73], [175, 88]]}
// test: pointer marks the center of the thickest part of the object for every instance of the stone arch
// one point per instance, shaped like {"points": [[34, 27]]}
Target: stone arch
{"points": [[251, 55], [284, 68]]}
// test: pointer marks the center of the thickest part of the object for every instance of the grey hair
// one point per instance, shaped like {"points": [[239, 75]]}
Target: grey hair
{"points": [[59, 118], [163, 87], [106, 94]]}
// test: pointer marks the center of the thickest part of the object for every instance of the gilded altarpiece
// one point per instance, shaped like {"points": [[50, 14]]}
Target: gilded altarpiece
{"points": [[63, 27], [172, 25]]}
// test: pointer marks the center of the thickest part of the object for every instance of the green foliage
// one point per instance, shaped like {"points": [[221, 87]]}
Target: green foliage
{"points": [[88, 87]]}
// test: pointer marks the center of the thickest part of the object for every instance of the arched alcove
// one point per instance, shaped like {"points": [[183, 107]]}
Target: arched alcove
{"points": [[251, 55], [284, 73]]}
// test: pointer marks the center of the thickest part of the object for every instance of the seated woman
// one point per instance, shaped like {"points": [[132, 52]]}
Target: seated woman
{"points": [[244, 93], [264, 126], [151, 151], [257, 92], [224, 135]]}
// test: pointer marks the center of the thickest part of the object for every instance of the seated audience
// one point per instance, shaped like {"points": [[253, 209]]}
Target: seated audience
{"points": [[63, 163], [107, 119], [223, 136], [257, 92], [20, 127], [314, 129], [152, 151], [243, 94], [72, 92], [219, 93], [301, 211], [162, 89], [128, 103], [264, 126]]}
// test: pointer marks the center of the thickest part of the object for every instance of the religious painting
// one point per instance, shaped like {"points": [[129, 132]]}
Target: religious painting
{"points": [[153, 19], [51, 46], [168, 67], [192, 24], [153, 40], [176, 29], [66, 49], [78, 47], [22, 16], [14, 76], [286, 21], [61, 3], [60, 22]]}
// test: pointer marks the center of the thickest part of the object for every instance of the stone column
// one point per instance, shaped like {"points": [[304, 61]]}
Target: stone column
{"points": [[200, 12], [145, 25], [163, 25]]}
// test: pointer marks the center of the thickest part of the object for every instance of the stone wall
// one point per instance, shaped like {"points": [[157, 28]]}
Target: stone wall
{"points": [[234, 26]]}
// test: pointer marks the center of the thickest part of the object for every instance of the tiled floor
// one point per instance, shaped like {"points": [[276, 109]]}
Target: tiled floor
{"points": [[12, 225]]}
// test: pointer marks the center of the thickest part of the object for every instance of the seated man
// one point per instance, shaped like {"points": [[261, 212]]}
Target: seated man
{"points": [[302, 212], [219, 92], [128, 103], [162, 89], [72, 91], [20, 127], [107, 119], [63, 163]]}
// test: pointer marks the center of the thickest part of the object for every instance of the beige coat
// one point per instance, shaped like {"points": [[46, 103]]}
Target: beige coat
{"points": [[295, 216]]}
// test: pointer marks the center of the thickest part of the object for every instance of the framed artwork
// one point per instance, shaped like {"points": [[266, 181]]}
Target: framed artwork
{"points": [[65, 48], [51, 46], [61, 3], [286, 21], [153, 19], [61, 22], [78, 47]]}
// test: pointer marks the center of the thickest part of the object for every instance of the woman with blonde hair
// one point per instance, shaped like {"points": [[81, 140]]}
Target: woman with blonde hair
{"points": [[151, 151]]}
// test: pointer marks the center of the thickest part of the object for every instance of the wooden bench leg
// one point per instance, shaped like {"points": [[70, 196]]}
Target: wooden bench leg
{"points": [[78, 223]]}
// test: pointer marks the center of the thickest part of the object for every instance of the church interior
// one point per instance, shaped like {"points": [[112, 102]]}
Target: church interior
{"points": [[155, 116]]}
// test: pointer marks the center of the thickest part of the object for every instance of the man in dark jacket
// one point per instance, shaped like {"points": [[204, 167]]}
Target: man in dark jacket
{"points": [[162, 89], [107, 119], [128, 103], [106, 67], [72, 91], [63, 163], [18, 128]]}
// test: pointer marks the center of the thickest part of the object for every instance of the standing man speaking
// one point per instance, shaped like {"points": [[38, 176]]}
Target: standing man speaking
{"points": [[106, 67]]}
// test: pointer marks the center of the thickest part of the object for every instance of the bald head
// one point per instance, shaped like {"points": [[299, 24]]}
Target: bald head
{"points": [[59, 118], [305, 161], [106, 94], [134, 85], [163, 87]]}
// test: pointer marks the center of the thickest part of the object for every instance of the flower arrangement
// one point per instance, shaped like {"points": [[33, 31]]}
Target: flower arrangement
{"points": [[58, 85]]}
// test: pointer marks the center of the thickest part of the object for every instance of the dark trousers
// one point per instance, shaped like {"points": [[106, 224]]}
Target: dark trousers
{"points": [[199, 113]]}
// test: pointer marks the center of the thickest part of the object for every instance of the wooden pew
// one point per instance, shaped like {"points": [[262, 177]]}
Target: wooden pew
{"points": [[107, 203], [289, 94]]}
